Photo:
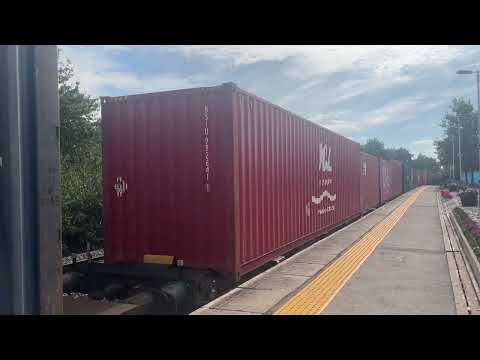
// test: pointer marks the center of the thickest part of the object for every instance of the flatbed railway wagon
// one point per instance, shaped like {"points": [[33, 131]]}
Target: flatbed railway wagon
{"points": [[217, 179]]}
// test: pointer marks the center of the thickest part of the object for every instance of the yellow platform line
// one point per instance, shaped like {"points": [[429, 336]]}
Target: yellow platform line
{"points": [[316, 296]]}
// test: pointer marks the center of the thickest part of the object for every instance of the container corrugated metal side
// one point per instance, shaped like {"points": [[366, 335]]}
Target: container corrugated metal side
{"points": [[158, 151], [293, 180], [406, 177], [397, 177], [417, 177], [219, 178], [369, 182], [426, 177], [390, 180], [414, 180]]}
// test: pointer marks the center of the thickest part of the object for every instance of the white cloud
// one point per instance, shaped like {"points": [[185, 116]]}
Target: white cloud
{"points": [[325, 79], [336, 122], [346, 90], [424, 146], [395, 111], [373, 67], [308, 60], [117, 48], [349, 121], [422, 142], [98, 68], [353, 88]]}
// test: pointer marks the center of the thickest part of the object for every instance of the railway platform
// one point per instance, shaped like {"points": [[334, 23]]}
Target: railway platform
{"points": [[400, 259]]}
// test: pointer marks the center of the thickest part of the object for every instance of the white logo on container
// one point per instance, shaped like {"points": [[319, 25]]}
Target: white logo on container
{"points": [[120, 187], [324, 165], [325, 152]]}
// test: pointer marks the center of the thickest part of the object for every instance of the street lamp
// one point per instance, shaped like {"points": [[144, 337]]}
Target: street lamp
{"points": [[470, 72], [453, 157], [459, 153]]}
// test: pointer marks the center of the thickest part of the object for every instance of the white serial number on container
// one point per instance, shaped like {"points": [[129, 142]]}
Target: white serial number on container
{"points": [[326, 210], [206, 153]]}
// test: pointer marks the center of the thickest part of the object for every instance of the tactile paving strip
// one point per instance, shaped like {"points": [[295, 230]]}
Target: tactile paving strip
{"points": [[316, 296]]}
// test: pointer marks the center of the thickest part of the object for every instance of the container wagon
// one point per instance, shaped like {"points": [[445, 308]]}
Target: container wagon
{"points": [[369, 182], [217, 178]]}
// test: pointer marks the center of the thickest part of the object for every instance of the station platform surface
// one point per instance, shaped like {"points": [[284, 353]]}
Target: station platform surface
{"points": [[392, 261]]}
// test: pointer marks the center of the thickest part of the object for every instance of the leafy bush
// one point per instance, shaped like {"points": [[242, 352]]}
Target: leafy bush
{"points": [[82, 206], [80, 163], [452, 187], [469, 198]]}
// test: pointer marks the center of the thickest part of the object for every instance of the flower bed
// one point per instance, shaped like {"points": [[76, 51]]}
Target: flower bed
{"points": [[470, 228], [446, 194]]}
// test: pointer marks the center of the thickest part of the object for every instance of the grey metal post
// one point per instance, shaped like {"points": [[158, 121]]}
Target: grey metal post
{"points": [[478, 132], [459, 154], [453, 157], [48, 180], [30, 218]]}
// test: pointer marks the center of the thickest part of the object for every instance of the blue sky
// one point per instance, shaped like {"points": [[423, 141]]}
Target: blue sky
{"points": [[395, 93]]}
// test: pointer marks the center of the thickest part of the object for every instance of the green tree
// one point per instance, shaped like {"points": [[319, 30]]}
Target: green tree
{"points": [[377, 148], [80, 162], [461, 114], [374, 147], [403, 155], [423, 162]]}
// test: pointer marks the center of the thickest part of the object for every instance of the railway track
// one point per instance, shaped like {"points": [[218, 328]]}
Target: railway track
{"points": [[82, 257]]}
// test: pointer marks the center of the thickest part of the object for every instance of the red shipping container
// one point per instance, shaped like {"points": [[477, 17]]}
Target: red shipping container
{"points": [[415, 178], [369, 182], [390, 180], [418, 177], [220, 179]]}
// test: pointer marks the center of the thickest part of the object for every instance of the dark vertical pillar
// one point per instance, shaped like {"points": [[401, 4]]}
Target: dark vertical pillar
{"points": [[30, 243]]}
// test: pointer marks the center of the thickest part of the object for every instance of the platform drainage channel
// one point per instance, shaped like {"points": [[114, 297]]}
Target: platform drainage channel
{"points": [[316, 296]]}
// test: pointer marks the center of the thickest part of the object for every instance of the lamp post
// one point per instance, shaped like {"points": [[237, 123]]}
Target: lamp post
{"points": [[453, 157], [470, 72], [459, 154]]}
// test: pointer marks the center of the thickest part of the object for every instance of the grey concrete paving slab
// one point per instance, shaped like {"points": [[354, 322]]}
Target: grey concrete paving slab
{"points": [[407, 274], [251, 300], [275, 281], [397, 282], [370, 220], [420, 228], [333, 245], [319, 256], [223, 312], [299, 268]]}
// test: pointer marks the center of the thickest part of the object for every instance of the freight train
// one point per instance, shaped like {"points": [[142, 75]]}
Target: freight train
{"points": [[205, 186]]}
